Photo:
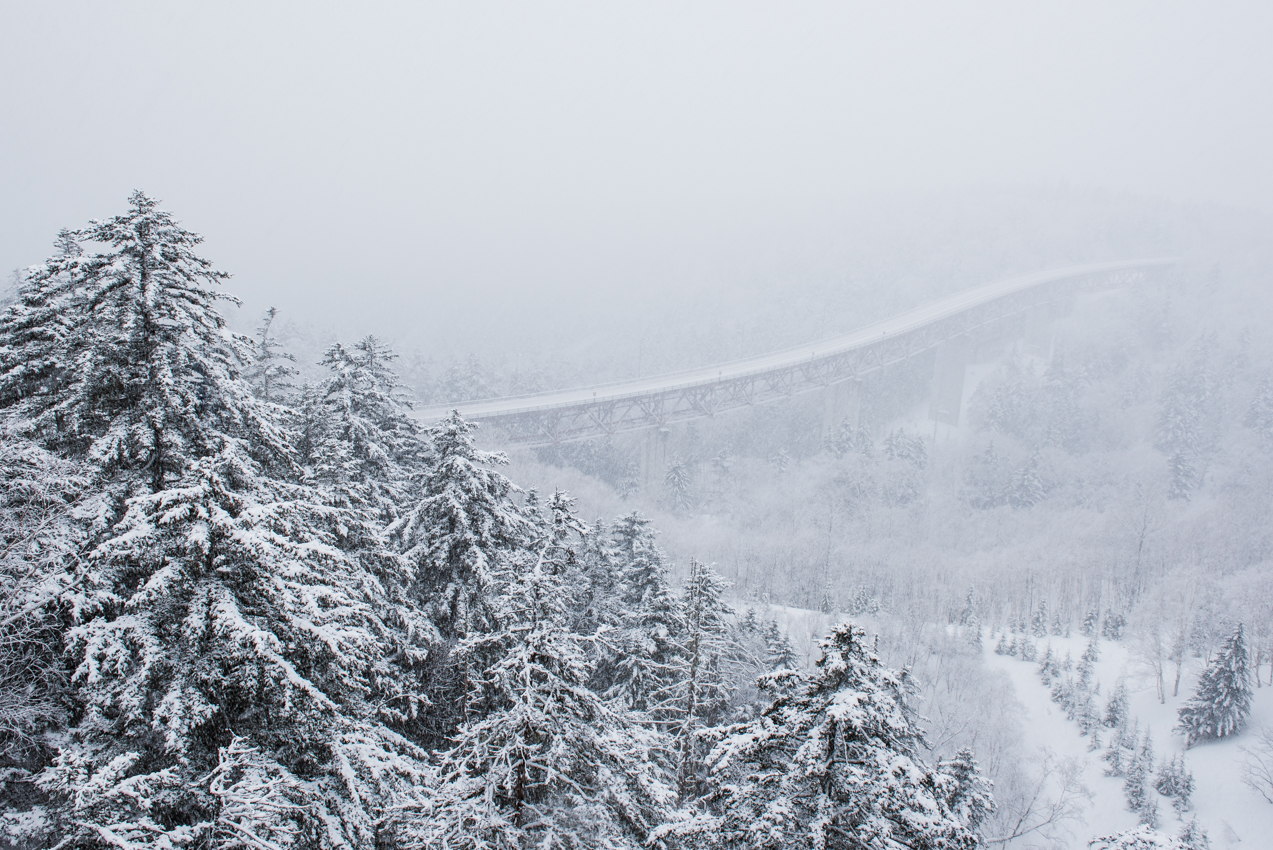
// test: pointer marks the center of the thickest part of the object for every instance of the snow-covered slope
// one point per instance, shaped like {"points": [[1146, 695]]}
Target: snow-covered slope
{"points": [[1232, 814]]}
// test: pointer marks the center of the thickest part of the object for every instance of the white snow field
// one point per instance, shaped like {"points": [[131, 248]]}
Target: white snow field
{"points": [[1232, 814]]}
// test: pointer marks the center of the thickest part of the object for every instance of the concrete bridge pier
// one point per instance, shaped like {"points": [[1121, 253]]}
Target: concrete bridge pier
{"points": [[840, 402], [653, 457], [951, 364]]}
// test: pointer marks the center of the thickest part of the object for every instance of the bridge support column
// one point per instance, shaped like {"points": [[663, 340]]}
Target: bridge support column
{"points": [[653, 457], [840, 402], [947, 398]]}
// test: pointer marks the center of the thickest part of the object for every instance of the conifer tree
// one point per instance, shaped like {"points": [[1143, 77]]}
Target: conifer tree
{"points": [[1027, 488], [215, 598], [367, 448], [1193, 837], [120, 357], [644, 665], [548, 763], [1259, 415], [598, 603], [702, 689], [833, 763], [779, 653], [1116, 707], [39, 541], [462, 530], [270, 372], [1222, 702], [1039, 621]]}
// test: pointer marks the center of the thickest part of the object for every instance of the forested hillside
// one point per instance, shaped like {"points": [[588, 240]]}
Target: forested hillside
{"points": [[246, 611]]}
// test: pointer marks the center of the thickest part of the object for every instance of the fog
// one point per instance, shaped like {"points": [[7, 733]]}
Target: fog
{"points": [[900, 377], [392, 168]]}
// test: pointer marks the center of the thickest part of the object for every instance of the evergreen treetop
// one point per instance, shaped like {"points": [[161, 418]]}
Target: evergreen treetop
{"points": [[1222, 702], [121, 356], [833, 762]]}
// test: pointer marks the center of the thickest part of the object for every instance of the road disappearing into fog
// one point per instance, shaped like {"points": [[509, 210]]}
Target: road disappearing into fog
{"points": [[655, 401]]}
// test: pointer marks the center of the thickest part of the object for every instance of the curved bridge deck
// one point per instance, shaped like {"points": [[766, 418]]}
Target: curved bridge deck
{"points": [[657, 401]]}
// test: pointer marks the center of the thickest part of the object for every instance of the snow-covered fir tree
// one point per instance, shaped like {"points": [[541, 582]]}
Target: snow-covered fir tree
{"points": [[38, 543], [1026, 488], [1222, 702], [119, 356], [548, 763], [463, 529], [215, 598], [643, 672], [362, 442], [833, 763], [1259, 414], [779, 653], [270, 371], [679, 480], [1116, 706], [702, 688]]}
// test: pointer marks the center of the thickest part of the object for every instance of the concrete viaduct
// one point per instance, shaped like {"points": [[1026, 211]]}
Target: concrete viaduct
{"points": [[1018, 307]]}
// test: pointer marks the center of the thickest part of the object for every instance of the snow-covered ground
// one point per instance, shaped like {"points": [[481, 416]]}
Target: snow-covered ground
{"points": [[1232, 814]]}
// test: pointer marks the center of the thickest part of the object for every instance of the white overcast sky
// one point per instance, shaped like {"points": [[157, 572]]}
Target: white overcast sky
{"points": [[381, 159]]}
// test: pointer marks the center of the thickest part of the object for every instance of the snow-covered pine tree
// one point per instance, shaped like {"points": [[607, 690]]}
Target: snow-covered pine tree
{"points": [[1026, 488], [1113, 625], [1149, 811], [1116, 707], [462, 530], [1184, 787], [1039, 620], [548, 764], [120, 357], [1085, 668], [779, 653], [1220, 705], [38, 544], [1091, 623], [1135, 782], [1193, 837], [701, 692], [270, 372], [216, 599], [649, 643], [366, 447], [643, 666], [1046, 663], [1175, 780], [833, 763], [679, 480], [970, 607], [598, 603]]}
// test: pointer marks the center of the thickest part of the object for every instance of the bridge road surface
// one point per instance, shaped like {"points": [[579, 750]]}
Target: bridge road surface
{"points": [[865, 337]]}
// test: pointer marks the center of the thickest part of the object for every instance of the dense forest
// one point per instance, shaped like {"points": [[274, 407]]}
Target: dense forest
{"points": [[252, 601], [244, 612]]}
